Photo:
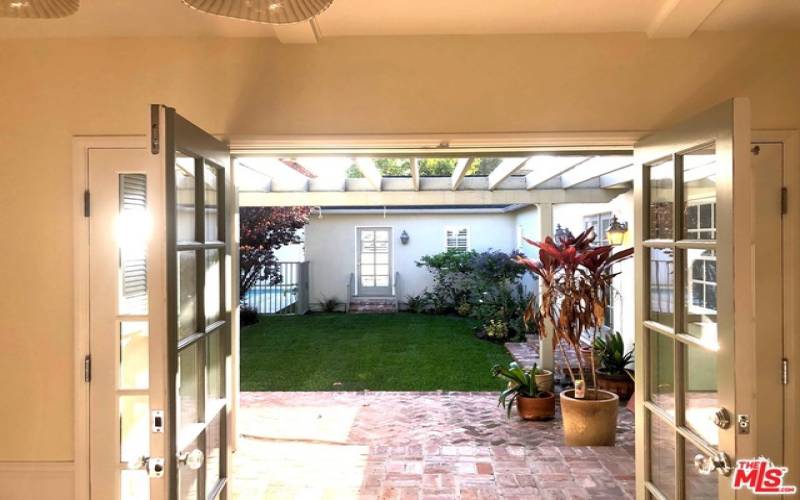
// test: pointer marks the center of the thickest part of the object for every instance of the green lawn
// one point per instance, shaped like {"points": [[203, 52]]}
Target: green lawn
{"points": [[379, 352]]}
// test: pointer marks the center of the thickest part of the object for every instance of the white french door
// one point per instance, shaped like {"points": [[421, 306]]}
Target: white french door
{"points": [[686, 367], [374, 261]]}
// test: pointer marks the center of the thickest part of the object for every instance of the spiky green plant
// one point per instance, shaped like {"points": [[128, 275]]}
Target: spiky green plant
{"points": [[520, 383], [611, 350]]}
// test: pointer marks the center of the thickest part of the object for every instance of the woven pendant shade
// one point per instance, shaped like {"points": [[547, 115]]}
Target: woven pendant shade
{"points": [[38, 9], [263, 11]]}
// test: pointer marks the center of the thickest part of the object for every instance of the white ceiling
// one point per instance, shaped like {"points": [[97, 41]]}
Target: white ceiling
{"points": [[155, 18]]}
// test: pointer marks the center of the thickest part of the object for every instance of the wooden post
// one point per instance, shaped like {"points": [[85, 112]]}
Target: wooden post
{"points": [[546, 360]]}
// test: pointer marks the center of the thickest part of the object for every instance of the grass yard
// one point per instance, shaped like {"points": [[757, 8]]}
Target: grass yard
{"points": [[378, 352]]}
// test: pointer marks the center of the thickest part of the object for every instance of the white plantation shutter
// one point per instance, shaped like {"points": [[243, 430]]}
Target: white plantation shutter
{"points": [[456, 238], [133, 258]]}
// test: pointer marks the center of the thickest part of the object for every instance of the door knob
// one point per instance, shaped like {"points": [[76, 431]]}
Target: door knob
{"points": [[719, 462], [153, 465], [192, 459], [722, 418]]}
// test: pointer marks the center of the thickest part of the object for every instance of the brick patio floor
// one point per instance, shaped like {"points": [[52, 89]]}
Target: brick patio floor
{"points": [[385, 445]]}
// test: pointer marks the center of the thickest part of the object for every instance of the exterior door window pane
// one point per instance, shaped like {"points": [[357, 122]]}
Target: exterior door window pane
{"points": [[213, 293], [662, 286], [700, 194], [133, 229], [214, 366], [187, 293], [662, 456], [134, 355], [213, 440], [189, 479], [134, 418], [211, 209], [662, 369], [701, 399], [698, 486], [188, 393], [185, 197], [662, 181], [134, 485], [700, 296]]}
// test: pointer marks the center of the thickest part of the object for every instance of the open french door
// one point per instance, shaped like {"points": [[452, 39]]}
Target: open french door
{"points": [[199, 201], [686, 270]]}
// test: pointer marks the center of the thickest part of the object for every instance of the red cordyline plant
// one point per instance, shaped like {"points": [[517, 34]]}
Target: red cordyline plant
{"points": [[575, 279]]}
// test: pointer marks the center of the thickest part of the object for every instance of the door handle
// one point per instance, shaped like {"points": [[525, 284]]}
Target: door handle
{"points": [[719, 462], [153, 465], [192, 459]]}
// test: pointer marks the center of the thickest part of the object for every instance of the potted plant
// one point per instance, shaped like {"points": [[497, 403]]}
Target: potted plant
{"points": [[532, 403], [544, 379], [613, 375], [575, 277]]}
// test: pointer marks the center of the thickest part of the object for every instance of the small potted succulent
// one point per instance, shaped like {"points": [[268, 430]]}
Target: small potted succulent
{"points": [[613, 374], [532, 403]]}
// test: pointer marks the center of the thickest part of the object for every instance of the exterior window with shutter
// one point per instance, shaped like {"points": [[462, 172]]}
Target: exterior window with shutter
{"points": [[456, 238]]}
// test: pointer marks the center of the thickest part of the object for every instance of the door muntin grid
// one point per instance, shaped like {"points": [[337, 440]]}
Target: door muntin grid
{"points": [[374, 260], [681, 333]]}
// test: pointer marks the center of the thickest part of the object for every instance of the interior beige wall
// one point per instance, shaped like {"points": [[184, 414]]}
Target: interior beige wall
{"points": [[51, 90]]}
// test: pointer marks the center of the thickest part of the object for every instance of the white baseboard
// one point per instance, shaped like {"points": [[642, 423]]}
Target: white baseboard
{"points": [[37, 480]]}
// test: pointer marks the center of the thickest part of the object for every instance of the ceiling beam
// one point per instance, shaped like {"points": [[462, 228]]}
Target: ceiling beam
{"points": [[370, 171], [458, 174], [618, 178], [405, 198], [306, 32], [593, 168], [506, 168], [546, 168], [415, 173], [680, 18]]}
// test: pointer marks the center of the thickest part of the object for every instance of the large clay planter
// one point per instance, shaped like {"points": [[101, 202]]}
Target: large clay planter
{"points": [[544, 380], [620, 384], [541, 408], [590, 422]]}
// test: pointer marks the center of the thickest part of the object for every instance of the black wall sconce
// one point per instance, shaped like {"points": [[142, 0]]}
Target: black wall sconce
{"points": [[404, 237]]}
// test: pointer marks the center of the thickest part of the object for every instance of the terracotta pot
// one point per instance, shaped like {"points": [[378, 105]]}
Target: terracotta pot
{"points": [[590, 422], [544, 380], [541, 408], [620, 384]]}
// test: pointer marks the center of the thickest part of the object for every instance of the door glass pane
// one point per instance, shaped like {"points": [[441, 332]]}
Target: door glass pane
{"points": [[184, 197], [188, 479], [368, 281], [188, 375], [698, 486], [214, 365], [187, 293], [700, 194], [134, 439], [213, 440], [662, 456], [212, 210], [381, 281], [133, 355], [700, 296], [662, 180], [135, 485], [132, 236], [662, 286], [701, 398], [662, 366], [213, 295]]}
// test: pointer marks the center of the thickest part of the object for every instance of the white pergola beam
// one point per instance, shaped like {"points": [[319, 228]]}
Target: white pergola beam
{"points": [[442, 197], [505, 169], [415, 173], [458, 174], [546, 168], [680, 18], [617, 178], [592, 169], [306, 32], [370, 172]]}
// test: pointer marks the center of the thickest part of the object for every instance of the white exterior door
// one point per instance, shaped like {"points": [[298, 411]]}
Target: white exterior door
{"points": [[686, 334], [126, 294], [374, 261]]}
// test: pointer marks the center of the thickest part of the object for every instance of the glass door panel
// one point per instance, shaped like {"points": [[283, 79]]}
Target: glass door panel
{"points": [[685, 206]]}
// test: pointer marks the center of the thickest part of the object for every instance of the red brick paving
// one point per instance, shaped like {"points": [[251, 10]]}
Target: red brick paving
{"points": [[386, 445]]}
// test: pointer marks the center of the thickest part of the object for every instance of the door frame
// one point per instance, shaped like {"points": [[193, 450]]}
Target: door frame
{"points": [[243, 146], [357, 249]]}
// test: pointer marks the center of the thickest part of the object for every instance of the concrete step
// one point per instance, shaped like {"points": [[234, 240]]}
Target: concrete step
{"points": [[373, 305]]}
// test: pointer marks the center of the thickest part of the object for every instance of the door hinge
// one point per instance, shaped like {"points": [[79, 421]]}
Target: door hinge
{"points": [[784, 201], [154, 129], [87, 203], [785, 371], [87, 368]]}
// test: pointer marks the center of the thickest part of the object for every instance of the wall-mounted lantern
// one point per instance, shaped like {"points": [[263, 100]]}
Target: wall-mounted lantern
{"points": [[404, 237], [616, 232]]}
